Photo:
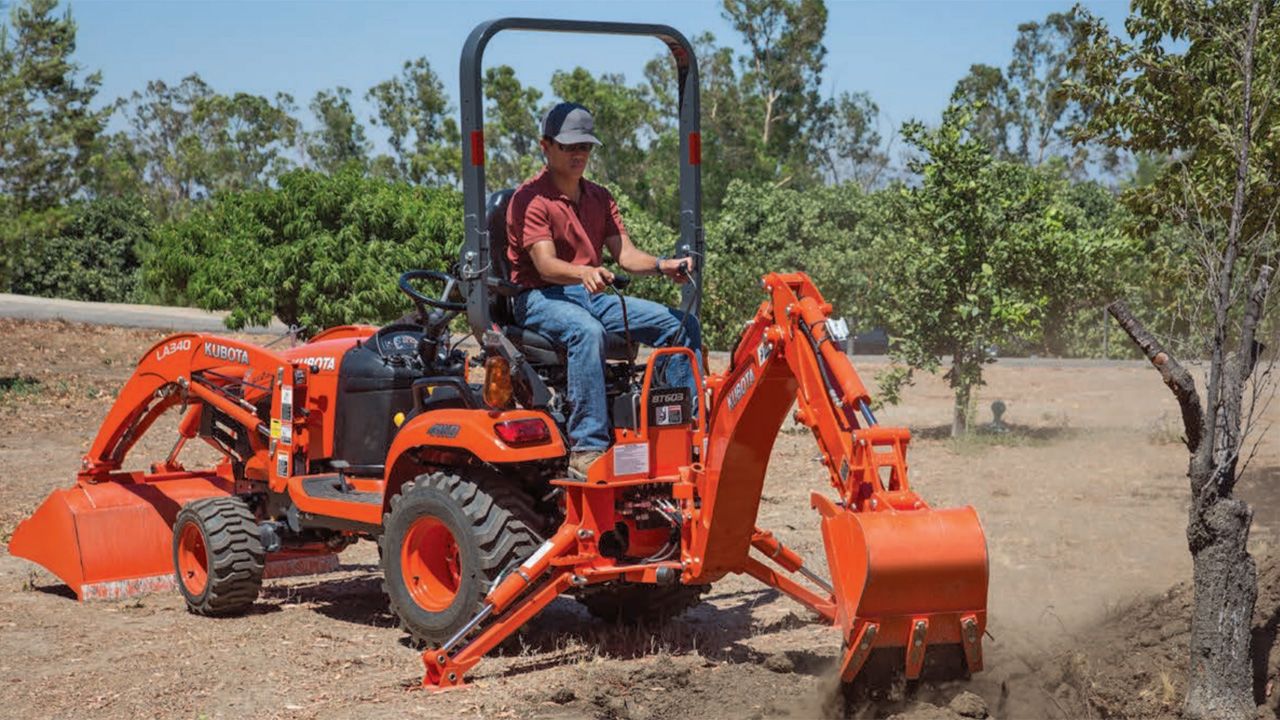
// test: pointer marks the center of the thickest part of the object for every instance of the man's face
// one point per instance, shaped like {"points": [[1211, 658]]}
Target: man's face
{"points": [[569, 160]]}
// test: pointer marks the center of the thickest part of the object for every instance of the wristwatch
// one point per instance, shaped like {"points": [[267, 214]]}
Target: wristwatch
{"points": [[658, 267]]}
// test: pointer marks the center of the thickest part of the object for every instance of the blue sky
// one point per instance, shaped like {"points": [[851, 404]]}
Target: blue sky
{"points": [[907, 55]]}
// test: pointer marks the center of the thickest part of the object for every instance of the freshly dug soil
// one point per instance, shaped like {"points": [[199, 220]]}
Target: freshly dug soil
{"points": [[1134, 665]]}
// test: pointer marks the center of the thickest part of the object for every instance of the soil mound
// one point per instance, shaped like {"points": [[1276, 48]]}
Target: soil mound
{"points": [[1134, 664]]}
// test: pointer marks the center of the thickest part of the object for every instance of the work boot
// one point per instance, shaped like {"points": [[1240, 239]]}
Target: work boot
{"points": [[580, 462]]}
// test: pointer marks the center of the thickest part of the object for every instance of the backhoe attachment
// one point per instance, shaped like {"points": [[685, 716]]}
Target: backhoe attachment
{"points": [[904, 577]]}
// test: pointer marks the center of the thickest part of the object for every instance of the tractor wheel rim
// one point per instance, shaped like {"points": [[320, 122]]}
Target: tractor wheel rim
{"points": [[430, 565], [193, 559]]}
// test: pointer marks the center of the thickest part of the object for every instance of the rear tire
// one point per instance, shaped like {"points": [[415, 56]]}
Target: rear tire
{"points": [[635, 604], [444, 542], [218, 556]]}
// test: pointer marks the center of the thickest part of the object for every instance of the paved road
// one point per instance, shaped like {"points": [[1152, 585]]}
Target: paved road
{"points": [[148, 316], [178, 318]]}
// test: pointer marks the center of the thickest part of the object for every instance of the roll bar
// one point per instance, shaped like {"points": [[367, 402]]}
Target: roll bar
{"points": [[474, 259]]}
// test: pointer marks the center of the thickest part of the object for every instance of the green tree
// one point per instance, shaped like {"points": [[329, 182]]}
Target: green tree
{"points": [[763, 228], [47, 129], [47, 126], [246, 139], [782, 75], [986, 91], [1198, 83], [424, 137], [512, 128], [1092, 259], [94, 256], [847, 142], [1025, 112], [722, 129], [340, 139], [190, 141], [318, 250], [978, 249]]}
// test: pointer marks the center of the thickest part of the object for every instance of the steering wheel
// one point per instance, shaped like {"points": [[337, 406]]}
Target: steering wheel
{"points": [[450, 282]]}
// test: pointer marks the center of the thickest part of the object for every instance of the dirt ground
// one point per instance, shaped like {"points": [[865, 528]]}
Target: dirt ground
{"points": [[1083, 504]]}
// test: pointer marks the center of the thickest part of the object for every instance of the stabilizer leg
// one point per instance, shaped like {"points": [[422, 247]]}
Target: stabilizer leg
{"points": [[447, 672], [445, 669]]}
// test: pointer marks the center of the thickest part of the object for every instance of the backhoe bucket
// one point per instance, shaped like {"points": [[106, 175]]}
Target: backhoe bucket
{"points": [[111, 539], [906, 579]]}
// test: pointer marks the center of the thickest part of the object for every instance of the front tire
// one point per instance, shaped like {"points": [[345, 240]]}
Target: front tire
{"points": [[218, 556], [445, 541]]}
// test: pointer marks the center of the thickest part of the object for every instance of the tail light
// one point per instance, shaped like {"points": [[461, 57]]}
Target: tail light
{"points": [[530, 431], [497, 382]]}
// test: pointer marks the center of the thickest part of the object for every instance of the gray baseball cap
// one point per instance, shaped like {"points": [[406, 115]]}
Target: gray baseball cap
{"points": [[570, 123]]}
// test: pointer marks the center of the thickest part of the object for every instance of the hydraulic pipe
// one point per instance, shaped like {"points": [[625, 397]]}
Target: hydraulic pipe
{"points": [[515, 583]]}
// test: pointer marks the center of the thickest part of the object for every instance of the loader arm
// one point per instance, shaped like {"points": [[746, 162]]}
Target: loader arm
{"points": [[171, 372], [903, 574]]}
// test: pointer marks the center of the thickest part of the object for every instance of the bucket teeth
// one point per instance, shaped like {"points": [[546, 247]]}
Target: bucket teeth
{"points": [[911, 579]]}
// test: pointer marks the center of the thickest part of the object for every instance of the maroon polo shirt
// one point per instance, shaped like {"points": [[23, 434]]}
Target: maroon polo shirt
{"points": [[539, 211]]}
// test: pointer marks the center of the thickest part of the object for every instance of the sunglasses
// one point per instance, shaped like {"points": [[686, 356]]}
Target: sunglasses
{"points": [[576, 148]]}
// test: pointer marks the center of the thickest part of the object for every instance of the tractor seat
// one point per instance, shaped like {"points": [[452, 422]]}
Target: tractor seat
{"points": [[537, 348], [542, 350]]}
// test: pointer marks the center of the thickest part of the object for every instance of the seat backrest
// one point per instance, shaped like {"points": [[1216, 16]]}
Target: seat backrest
{"points": [[499, 266]]}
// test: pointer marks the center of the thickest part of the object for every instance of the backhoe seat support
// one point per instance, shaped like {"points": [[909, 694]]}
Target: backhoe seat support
{"points": [[538, 348]]}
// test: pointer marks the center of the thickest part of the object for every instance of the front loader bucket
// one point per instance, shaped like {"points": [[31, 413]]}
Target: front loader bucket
{"points": [[906, 579], [111, 539]]}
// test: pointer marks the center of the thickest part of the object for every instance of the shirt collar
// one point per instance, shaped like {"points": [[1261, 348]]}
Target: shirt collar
{"points": [[549, 186]]}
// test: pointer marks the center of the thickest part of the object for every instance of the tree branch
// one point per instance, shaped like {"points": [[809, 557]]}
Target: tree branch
{"points": [[1172, 372]]}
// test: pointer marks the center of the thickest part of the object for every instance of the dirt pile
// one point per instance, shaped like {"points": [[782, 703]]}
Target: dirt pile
{"points": [[1134, 665]]}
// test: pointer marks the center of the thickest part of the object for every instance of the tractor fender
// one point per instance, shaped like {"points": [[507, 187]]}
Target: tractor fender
{"points": [[471, 432]]}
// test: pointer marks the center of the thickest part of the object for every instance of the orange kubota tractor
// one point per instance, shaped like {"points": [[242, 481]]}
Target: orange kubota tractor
{"points": [[376, 433]]}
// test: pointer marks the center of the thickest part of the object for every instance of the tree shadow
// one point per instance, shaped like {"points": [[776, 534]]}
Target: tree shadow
{"points": [[1013, 434], [1258, 486], [1260, 643], [565, 631]]}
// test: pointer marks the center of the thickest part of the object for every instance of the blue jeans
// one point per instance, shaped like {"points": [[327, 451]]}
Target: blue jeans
{"points": [[577, 319]]}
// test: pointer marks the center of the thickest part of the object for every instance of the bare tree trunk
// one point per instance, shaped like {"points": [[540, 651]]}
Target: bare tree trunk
{"points": [[1220, 678], [1220, 683], [960, 414]]}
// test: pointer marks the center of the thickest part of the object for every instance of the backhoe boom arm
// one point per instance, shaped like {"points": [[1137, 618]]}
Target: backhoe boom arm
{"points": [[902, 574]]}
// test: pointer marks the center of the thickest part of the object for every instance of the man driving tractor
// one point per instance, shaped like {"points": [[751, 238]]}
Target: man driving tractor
{"points": [[558, 223]]}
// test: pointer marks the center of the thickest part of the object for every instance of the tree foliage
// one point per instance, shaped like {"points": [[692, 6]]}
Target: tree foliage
{"points": [[93, 254], [415, 112], [340, 139], [980, 248], [764, 229], [512, 128], [782, 76], [319, 250], [189, 141], [47, 126], [1024, 113]]}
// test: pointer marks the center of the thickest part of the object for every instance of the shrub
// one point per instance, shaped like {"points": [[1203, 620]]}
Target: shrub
{"points": [[317, 251]]}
